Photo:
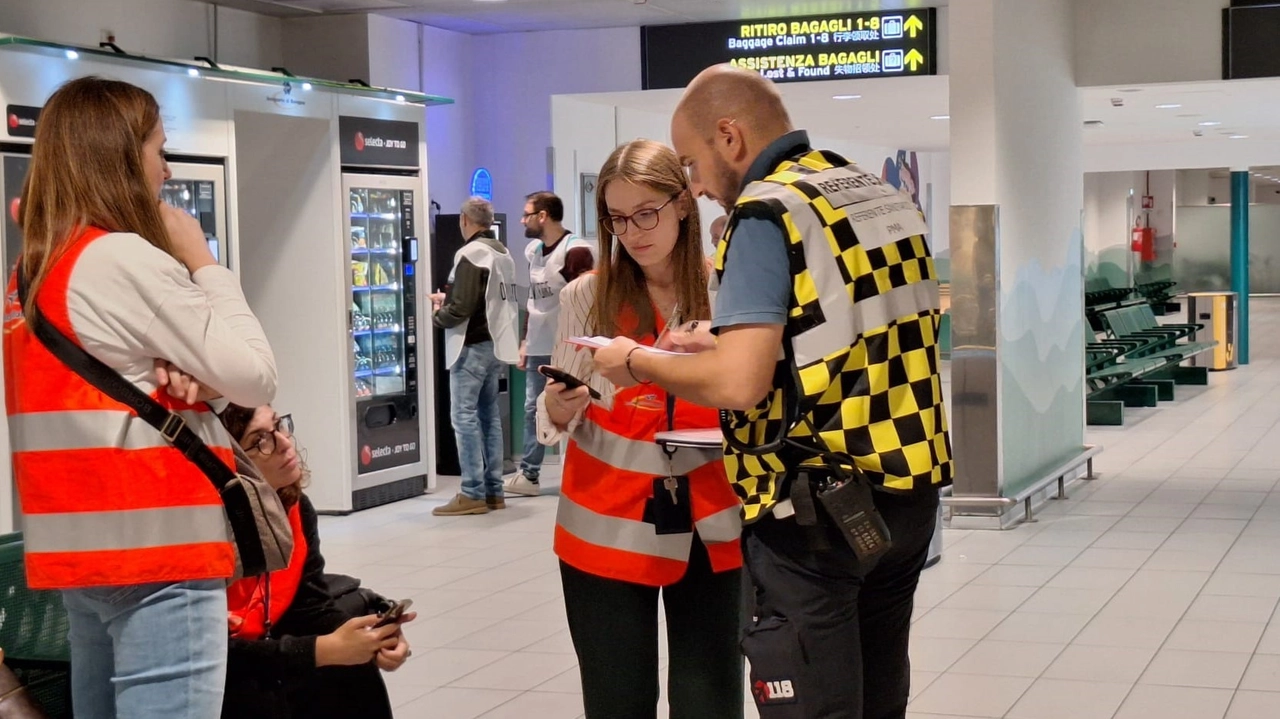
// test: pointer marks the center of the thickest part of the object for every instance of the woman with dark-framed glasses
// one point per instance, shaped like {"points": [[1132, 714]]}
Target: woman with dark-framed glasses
{"points": [[635, 523], [293, 653]]}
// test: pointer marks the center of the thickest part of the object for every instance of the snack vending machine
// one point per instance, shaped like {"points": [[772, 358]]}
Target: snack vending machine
{"points": [[382, 232]]}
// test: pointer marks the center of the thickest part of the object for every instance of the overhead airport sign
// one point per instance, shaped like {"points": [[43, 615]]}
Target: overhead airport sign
{"points": [[840, 46], [1249, 30]]}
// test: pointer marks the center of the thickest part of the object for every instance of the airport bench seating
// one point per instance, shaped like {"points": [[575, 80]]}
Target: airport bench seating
{"points": [[1160, 296], [1139, 364]]}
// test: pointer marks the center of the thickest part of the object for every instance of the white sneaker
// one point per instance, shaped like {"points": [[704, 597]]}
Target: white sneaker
{"points": [[521, 485]]}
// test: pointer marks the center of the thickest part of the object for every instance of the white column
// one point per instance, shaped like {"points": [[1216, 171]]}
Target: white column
{"points": [[1016, 145]]}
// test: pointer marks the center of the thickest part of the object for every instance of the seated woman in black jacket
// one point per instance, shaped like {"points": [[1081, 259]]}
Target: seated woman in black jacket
{"points": [[293, 653]]}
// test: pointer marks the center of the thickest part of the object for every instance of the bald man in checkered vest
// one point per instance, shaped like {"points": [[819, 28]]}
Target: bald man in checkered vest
{"points": [[823, 353]]}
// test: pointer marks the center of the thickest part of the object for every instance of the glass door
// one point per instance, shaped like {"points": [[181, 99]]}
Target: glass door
{"points": [[377, 308]]}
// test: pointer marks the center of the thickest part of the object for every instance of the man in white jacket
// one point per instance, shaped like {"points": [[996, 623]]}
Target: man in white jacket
{"points": [[478, 313]]}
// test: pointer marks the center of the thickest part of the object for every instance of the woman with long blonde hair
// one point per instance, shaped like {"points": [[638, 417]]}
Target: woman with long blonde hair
{"points": [[635, 522], [131, 531]]}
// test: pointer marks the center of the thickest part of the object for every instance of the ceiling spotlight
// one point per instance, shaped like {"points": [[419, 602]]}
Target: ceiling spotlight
{"points": [[1209, 123], [846, 97], [399, 98], [939, 117], [1168, 106], [306, 86], [1239, 137], [193, 72], [72, 54]]}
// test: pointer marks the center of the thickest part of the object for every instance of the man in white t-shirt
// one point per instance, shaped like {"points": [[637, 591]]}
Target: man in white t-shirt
{"points": [[556, 257]]}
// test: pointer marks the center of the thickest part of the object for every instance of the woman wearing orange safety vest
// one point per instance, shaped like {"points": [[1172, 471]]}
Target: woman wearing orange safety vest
{"points": [[632, 520], [132, 532], [294, 653]]}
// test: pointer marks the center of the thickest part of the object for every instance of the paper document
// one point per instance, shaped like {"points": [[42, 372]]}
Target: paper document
{"points": [[597, 342], [709, 438]]}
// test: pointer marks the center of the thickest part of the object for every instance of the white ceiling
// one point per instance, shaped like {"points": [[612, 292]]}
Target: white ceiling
{"points": [[892, 112], [1243, 107], [897, 112], [490, 16]]}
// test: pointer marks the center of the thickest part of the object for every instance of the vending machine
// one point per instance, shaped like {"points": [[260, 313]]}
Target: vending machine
{"points": [[382, 191], [13, 172], [382, 231]]}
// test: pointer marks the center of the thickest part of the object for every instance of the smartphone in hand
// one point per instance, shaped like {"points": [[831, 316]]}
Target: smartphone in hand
{"points": [[569, 381], [393, 613]]}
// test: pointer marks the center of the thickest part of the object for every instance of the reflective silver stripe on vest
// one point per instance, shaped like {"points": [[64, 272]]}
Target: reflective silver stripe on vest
{"points": [[844, 320], [131, 529], [94, 429], [627, 535], [639, 456], [723, 526]]}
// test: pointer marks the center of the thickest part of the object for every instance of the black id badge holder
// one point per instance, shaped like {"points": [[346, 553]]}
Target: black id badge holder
{"points": [[670, 510]]}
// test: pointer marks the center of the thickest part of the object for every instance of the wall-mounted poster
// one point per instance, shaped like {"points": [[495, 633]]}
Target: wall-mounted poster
{"points": [[587, 203]]}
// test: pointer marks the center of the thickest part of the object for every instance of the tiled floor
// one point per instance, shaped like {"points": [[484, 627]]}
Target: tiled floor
{"points": [[1149, 594]]}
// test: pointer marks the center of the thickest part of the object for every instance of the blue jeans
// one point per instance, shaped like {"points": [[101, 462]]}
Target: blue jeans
{"points": [[148, 651], [534, 383], [477, 423]]}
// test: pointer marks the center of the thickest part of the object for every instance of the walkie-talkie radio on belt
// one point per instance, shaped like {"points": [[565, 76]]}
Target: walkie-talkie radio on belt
{"points": [[843, 491], [849, 504]]}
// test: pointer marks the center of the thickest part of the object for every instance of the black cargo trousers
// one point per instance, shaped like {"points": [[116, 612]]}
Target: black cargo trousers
{"points": [[829, 636]]}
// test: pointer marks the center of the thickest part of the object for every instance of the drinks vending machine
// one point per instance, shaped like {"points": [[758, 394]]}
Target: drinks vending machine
{"points": [[384, 351], [383, 190]]}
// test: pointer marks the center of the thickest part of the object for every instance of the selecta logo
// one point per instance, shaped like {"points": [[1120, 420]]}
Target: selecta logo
{"points": [[22, 120], [372, 141], [368, 454]]}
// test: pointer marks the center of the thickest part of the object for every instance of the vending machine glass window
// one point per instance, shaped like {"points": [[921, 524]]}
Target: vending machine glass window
{"points": [[377, 310], [197, 188], [195, 197]]}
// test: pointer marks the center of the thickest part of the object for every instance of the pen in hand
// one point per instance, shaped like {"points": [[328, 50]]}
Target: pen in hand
{"points": [[673, 321]]}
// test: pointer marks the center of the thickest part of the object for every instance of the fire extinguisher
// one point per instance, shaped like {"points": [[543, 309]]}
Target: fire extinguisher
{"points": [[1144, 243]]}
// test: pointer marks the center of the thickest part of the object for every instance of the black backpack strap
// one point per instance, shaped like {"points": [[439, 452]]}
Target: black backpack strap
{"points": [[171, 425]]}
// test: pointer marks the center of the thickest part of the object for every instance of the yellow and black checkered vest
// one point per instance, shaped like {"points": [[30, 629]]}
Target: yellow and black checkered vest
{"points": [[861, 335]]}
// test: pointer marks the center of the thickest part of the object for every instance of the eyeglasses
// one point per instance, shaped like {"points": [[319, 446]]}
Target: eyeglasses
{"points": [[525, 217], [265, 445], [643, 220]]}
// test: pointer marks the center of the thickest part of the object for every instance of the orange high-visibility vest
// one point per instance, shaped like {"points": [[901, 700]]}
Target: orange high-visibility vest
{"points": [[252, 602], [609, 471], [105, 499]]}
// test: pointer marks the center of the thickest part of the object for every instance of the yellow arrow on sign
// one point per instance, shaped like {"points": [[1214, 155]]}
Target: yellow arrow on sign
{"points": [[914, 60], [914, 25]]}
